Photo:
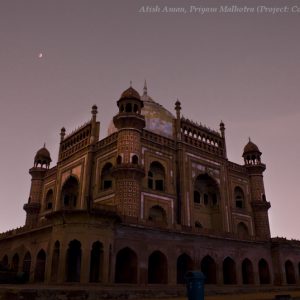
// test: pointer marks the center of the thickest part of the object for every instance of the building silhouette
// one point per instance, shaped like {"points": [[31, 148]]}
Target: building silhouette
{"points": [[155, 198]]}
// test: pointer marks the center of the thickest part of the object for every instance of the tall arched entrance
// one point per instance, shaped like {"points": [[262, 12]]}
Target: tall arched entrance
{"points": [[208, 267], [39, 272], [289, 272], [184, 264], [26, 266], [55, 261], [247, 272], [73, 260], [157, 268], [229, 271], [96, 264], [264, 272], [126, 266]]}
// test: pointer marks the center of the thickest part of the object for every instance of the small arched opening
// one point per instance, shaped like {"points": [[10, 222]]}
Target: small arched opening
{"points": [[229, 271], [49, 200], [197, 197], [184, 264], [128, 107], [157, 214], [73, 261], [247, 272], [126, 266], [135, 159], [239, 197], [119, 159], [70, 192], [4, 262], [209, 269], [289, 272], [15, 263], [96, 264], [156, 176], [157, 268], [106, 177], [264, 272], [39, 272]]}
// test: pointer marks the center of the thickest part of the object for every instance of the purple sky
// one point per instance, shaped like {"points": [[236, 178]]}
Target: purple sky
{"points": [[242, 68]]}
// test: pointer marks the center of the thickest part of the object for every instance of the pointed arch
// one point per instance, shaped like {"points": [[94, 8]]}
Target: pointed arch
{"points": [[156, 176], [27, 266], [247, 271], [209, 269], [55, 261], [70, 193], [239, 197], [157, 268], [229, 271], [96, 264], [39, 272], [4, 261], [157, 214], [184, 264], [126, 266], [106, 177], [264, 272], [15, 263], [49, 200], [73, 261], [289, 272]]}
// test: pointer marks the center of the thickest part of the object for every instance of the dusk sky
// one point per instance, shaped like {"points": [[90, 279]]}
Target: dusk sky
{"points": [[239, 67]]}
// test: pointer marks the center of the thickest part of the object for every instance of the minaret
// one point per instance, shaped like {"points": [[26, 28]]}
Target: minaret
{"points": [[128, 171], [260, 206], [41, 165]]}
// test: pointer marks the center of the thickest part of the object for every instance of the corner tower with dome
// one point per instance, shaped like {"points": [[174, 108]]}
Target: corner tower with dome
{"points": [[154, 199]]}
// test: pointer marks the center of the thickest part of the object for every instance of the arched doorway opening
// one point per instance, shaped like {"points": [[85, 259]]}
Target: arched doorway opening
{"points": [[69, 193], [126, 266], [157, 214], [290, 272], [247, 272], [96, 262], [39, 273], [264, 272], [229, 271], [208, 267], [55, 261], [15, 263], [26, 266], [157, 268], [73, 261], [184, 264]]}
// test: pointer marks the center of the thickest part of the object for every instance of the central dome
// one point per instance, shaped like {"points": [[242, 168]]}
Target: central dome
{"points": [[158, 119]]}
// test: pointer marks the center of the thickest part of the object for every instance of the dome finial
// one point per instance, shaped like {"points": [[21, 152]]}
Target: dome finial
{"points": [[145, 89], [130, 83], [249, 139], [44, 145]]}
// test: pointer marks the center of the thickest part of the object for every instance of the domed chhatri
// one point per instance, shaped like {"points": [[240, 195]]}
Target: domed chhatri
{"points": [[130, 93], [250, 148], [42, 158], [158, 119]]}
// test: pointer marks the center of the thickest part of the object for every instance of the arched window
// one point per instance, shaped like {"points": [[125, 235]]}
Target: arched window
{"points": [[229, 271], [157, 268], [264, 272], [73, 261], [119, 159], [157, 214], [247, 272], [15, 263], [239, 197], [135, 159], [70, 193], [184, 264], [289, 272], [135, 108], [242, 231], [96, 263], [126, 266], [55, 261], [39, 273], [208, 267], [106, 178], [49, 200], [156, 176], [206, 192], [197, 199], [26, 266]]}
